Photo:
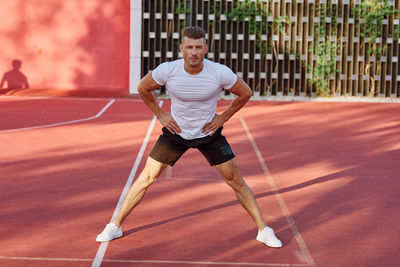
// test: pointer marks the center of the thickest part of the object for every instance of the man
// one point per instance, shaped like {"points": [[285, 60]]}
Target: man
{"points": [[194, 85], [15, 78]]}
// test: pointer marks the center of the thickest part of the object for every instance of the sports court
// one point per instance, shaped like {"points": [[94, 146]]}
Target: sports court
{"points": [[325, 175]]}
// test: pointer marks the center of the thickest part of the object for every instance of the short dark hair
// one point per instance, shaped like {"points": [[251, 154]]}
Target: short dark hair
{"points": [[194, 32]]}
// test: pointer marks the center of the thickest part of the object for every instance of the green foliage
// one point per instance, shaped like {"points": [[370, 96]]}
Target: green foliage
{"points": [[256, 13], [325, 51], [324, 68], [182, 9], [216, 10], [280, 23], [371, 14], [369, 17], [250, 10]]}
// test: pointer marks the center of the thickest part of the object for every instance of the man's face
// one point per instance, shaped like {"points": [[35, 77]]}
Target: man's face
{"points": [[193, 51]]}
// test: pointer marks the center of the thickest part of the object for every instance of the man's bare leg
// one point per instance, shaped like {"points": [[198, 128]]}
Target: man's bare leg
{"points": [[149, 175], [232, 177]]}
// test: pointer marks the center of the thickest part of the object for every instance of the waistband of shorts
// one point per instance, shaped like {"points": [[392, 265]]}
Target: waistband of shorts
{"points": [[192, 142]]}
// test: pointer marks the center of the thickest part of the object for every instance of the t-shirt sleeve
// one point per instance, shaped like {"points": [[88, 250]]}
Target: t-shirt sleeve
{"points": [[227, 77], [160, 74]]}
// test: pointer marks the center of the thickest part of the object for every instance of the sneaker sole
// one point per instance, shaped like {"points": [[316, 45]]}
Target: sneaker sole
{"points": [[101, 241], [261, 241]]}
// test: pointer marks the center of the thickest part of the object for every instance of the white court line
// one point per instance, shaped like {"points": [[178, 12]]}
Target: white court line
{"points": [[91, 99], [154, 261], [62, 123], [168, 174], [103, 246], [282, 204], [42, 259]]}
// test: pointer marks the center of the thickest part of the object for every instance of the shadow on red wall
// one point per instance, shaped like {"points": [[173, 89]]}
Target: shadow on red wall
{"points": [[66, 45], [14, 78]]}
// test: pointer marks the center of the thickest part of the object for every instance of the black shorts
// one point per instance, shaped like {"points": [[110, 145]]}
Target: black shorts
{"points": [[170, 147]]}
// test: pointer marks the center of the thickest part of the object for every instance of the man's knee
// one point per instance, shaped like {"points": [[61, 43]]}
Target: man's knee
{"points": [[230, 173], [152, 171], [149, 180]]}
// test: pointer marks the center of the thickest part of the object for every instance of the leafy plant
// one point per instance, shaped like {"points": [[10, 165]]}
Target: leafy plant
{"points": [[324, 50], [257, 15], [182, 9], [370, 15], [324, 68]]}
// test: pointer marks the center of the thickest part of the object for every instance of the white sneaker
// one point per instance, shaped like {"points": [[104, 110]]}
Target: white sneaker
{"points": [[268, 237], [110, 232]]}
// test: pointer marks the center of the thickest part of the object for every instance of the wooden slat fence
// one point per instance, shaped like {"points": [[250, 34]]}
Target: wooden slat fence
{"points": [[286, 47]]}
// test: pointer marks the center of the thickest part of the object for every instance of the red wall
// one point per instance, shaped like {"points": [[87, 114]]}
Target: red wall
{"points": [[67, 44]]}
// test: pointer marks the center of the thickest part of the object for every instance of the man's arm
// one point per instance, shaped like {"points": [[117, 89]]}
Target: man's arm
{"points": [[243, 94], [145, 87]]}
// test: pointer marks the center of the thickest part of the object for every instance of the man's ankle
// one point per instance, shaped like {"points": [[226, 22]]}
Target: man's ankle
{"points": [[118, 224], [262, 227]]}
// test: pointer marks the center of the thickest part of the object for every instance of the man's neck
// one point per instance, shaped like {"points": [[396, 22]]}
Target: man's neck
{"points": [[193, 70]]}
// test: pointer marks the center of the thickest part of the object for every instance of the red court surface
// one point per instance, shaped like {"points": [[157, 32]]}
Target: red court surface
{"points": [[326, 177]]}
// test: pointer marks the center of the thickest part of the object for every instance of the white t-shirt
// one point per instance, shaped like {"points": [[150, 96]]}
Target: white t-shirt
{"points": [[193, 97]]}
